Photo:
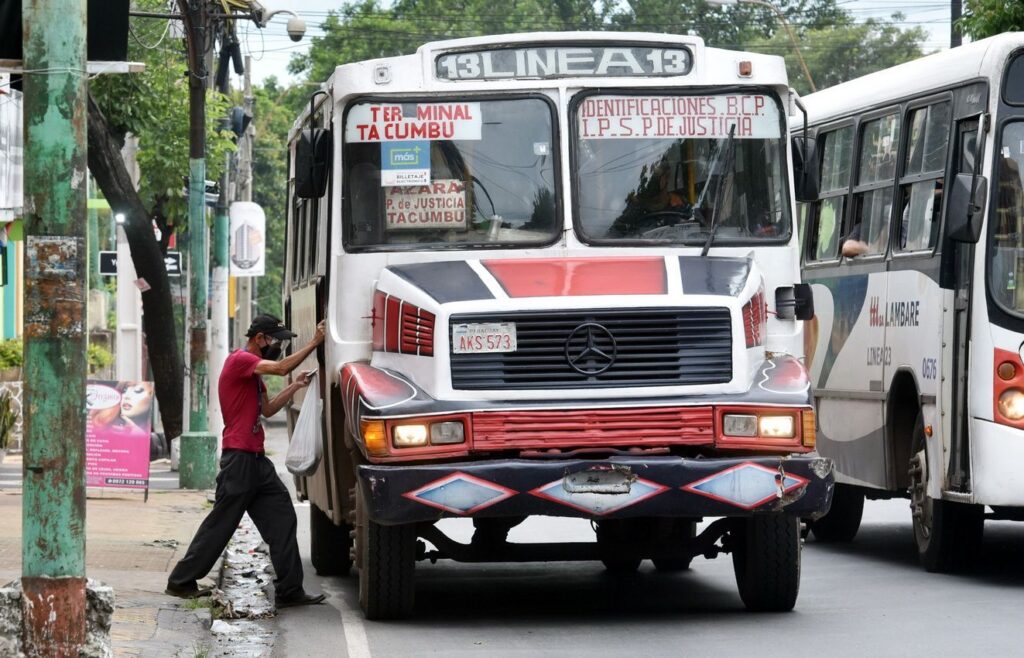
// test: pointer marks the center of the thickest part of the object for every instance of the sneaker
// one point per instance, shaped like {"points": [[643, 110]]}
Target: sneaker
{"points": [[190, 591], [299, 598]]}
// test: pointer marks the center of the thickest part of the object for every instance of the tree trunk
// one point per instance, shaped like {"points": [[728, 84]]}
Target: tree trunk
{"points": [[108, 168]]}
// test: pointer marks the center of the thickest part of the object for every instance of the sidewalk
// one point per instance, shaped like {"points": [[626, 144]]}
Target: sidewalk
{"points": [[131, 545]]}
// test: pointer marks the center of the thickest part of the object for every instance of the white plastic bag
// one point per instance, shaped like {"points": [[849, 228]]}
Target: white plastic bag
{"points": [[306, 447]]}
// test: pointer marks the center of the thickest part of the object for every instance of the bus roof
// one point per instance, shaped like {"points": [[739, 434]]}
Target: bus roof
{"points": [[943, 69], [417, 72]]}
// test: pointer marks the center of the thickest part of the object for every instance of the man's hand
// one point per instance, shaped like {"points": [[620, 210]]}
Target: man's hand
{"points": [[321, 329], [305, 378]]}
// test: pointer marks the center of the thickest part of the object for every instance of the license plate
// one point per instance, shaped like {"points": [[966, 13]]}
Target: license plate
{"points": [[481, 338], [614, 480]]}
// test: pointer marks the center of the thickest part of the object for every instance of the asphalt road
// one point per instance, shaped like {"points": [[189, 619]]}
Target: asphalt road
{"points": [[867, 598]]}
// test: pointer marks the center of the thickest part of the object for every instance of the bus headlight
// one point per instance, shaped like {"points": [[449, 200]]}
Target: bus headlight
{"points": [[409, 436], [1011, 404], [739, 425], [776, 427], [447, 433]]}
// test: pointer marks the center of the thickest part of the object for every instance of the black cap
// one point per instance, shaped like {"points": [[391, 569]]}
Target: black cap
{"points": [[268, 325]]}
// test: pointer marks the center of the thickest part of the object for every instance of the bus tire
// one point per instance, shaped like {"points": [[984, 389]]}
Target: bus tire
{"points": [[843, 519], [766, 560], [948, 534], [387, 566], [330, 546]]}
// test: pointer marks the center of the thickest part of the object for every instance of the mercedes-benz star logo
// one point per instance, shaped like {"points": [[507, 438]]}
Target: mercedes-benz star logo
{"points": [[590, 349]]}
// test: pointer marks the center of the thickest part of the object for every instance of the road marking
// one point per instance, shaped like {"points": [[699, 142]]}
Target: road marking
{"points": [[352, 626]]}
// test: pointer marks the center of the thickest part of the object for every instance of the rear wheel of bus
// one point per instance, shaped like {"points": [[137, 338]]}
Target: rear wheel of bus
{"points": [[766, 559], [386, 557], [843, 519], [948, 535]]}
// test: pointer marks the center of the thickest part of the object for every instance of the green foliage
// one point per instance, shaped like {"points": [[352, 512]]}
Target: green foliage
{"points": [[11, 353], [153, 105], [8, 417], [272, 118], [835, 46], [845, 51], [98, 357], [986, 18]]}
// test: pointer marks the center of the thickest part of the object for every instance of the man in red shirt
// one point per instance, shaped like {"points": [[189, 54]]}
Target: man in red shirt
{"points": [[248, 481]]}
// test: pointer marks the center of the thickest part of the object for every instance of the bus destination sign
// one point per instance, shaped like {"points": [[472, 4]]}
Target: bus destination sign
{"points": [[563, 61]]}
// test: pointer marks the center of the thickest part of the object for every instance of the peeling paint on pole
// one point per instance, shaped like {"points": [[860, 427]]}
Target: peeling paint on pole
{"points": [[53, 506]]}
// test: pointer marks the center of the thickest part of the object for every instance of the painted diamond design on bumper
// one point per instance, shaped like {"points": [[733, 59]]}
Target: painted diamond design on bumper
{"points": [[599, 504], [747, 485], [460, 493]]}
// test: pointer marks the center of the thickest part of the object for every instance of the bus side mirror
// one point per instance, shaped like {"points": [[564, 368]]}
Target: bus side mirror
{"points": [[312, 163], [964, 208], [805, 169], [794, 302]]}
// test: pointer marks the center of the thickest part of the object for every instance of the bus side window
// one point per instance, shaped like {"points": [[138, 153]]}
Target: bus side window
{"points": [[826, 216], [869, 226], [923, 173]]}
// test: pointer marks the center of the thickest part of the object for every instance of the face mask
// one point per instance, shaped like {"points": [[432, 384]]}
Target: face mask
{"points": [[271, 352]]}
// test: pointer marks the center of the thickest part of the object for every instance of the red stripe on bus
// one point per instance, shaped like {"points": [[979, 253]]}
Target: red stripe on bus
{"points": [[578, 277]]}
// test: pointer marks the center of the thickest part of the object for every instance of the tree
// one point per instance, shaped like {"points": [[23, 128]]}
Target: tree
{"points": [[366, 29], [845, 51], [273, 118], [152, 106], [986, 18]]}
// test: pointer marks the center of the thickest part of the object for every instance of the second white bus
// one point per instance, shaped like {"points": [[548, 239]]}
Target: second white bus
{"points": [[913, 249]]}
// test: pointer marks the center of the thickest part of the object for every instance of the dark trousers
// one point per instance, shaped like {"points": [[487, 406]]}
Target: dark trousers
{"points": [[247, 482]]}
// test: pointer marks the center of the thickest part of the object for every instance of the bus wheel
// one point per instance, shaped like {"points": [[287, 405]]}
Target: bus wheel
{"points": [[330, 546], [614, 545], [948, 535], [766, 559], [386, 556], [843, 518]]}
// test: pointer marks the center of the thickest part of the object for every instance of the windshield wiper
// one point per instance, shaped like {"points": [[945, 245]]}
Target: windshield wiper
{"points": [[726, 171]]}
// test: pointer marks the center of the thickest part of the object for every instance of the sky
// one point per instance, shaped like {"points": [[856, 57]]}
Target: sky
{"points": [[271, 49]]}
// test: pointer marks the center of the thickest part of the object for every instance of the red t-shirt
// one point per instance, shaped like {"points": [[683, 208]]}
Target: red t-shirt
{"points": [[241, 394]]}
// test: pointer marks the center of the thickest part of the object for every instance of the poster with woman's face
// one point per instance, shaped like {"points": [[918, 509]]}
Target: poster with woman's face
{"points": [[117, 433]]}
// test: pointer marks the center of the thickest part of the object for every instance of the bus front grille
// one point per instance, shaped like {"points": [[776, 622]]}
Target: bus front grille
{"points": [[601, 349]]}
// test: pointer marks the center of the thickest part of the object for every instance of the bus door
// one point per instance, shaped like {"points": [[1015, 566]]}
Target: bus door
{"points": [[913, 314], [968, 159]]}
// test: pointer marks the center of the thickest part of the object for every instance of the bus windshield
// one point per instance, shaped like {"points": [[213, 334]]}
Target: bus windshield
{"points": [[430, 174], [1006, 273], [666, 168]]}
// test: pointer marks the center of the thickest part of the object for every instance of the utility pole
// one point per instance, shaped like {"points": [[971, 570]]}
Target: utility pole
{"points": [[955, 13], [198, 463], [243, 316], [219, 297], [55, 165]]}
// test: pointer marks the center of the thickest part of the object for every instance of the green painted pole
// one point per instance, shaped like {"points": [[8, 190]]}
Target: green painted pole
{"points": [[55, 166], [197, 466]]}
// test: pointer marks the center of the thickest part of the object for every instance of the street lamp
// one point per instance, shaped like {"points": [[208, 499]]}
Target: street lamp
{"points": [[785, 24]]}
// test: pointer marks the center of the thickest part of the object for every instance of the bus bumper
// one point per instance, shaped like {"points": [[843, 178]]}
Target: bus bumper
{"points": [[617, 487]]}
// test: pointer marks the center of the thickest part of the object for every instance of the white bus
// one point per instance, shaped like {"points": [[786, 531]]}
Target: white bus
{"points": [[561, 277], [913, 249]]}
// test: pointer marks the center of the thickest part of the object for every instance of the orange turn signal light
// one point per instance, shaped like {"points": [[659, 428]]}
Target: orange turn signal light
{"points": [[746, 69], [810, 433], [375, 438]]}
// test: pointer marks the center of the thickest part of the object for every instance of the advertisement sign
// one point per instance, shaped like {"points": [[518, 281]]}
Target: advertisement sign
{"points": [[405, 163], [117, 433], [751, 116], [248, 229], [442, 204], [400, 123]]}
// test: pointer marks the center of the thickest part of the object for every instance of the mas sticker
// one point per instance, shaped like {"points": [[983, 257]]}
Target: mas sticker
{"points": [[405, 163]]}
